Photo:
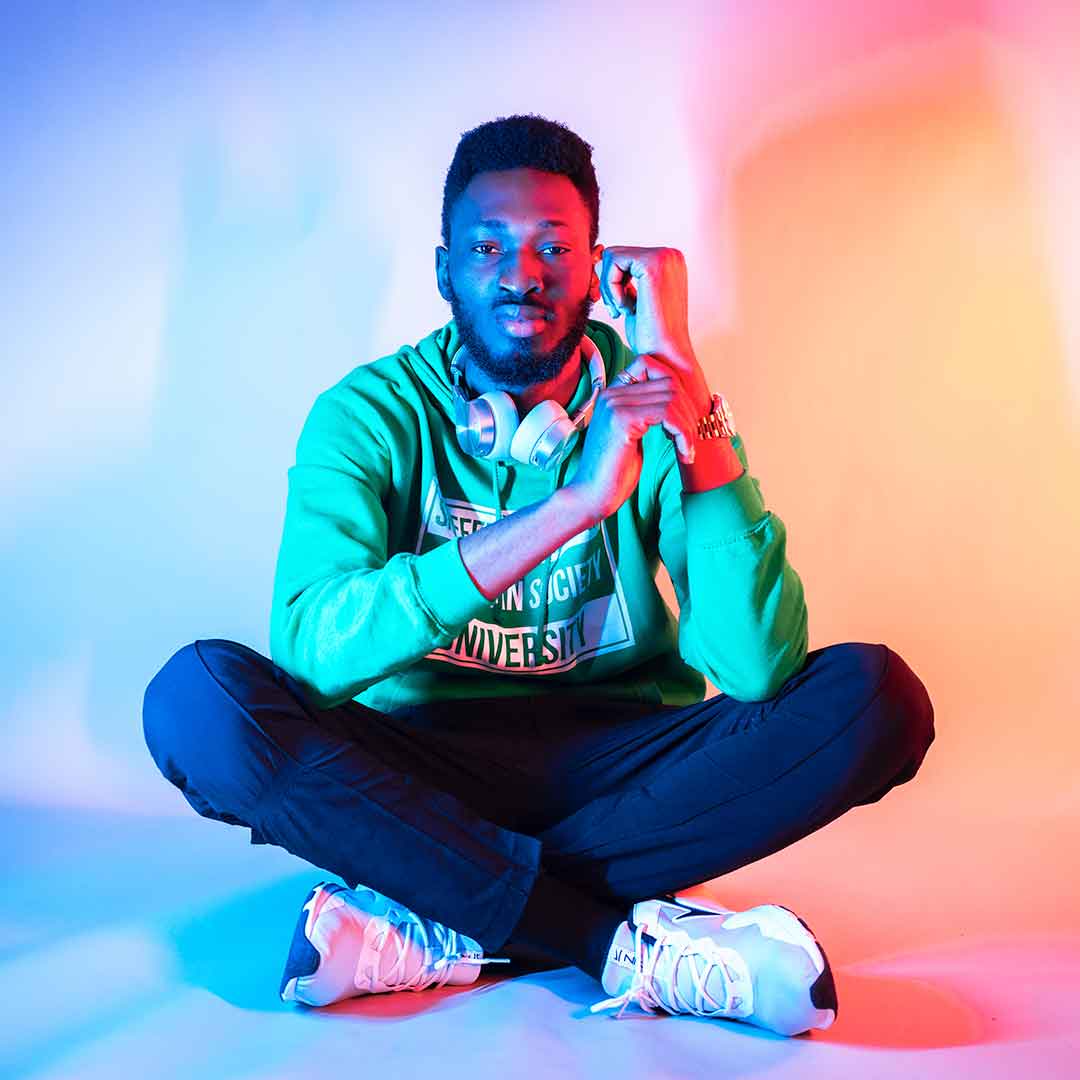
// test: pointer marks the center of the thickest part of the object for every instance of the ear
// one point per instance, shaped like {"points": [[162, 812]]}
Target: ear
{"points": [[442, 274], [594, 284]]}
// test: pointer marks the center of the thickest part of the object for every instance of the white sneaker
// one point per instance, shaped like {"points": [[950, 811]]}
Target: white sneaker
{"points": [[762, 966], [349, 942]]}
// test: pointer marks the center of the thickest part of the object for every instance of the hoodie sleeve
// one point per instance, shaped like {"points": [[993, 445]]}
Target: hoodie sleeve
{"points": [[742, 614], [343, 614]]}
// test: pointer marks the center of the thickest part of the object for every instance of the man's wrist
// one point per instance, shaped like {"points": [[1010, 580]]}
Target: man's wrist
{"points": [[716, 462], [703, 405], [574, 507]]}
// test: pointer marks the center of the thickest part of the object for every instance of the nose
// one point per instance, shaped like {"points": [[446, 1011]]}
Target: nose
{"points": [[521, 274]]}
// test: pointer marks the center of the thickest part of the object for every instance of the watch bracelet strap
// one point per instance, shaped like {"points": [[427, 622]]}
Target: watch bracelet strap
{"points": [[715, 423]]}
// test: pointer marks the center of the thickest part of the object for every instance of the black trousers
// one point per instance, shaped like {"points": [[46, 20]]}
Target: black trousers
{"points": [[451, 808]]}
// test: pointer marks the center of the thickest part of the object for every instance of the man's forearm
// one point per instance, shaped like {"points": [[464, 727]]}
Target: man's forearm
{"points": [[504, 552]]}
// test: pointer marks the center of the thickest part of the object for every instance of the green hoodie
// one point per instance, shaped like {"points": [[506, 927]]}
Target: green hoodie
{"points": [[372, 602]]}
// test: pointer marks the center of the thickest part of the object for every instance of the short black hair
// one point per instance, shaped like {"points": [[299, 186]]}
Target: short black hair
{"points": [[517, 142]]}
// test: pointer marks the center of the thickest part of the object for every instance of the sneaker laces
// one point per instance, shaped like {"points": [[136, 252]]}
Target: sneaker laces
{"points": [[443, 941], [646, 986]]}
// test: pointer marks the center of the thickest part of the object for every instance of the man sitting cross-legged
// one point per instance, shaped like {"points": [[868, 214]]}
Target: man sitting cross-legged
{"points": [[479, 712]]}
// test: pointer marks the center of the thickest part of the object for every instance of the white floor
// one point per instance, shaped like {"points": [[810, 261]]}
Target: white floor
{"points": [[137, 947]]}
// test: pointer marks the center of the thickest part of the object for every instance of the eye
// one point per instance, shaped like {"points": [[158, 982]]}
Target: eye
{"points": [[547, 247]]}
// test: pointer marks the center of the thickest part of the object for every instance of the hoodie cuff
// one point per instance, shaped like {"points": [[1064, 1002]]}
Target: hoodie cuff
{"points": [[716, 462], [445, 590], [722, 513]]}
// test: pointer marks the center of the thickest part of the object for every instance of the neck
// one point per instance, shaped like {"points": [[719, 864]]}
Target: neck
{"points": [[561, 388]]}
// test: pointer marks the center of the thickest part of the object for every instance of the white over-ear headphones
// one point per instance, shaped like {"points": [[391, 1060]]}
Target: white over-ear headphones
{"points": [[488, 426]]}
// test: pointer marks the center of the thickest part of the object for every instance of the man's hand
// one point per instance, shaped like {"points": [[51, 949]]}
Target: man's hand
{"points": [[649, 286], [611, 458]]}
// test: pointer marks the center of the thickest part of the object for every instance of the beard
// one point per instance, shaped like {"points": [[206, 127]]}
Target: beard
{"points": [[522, 365]]}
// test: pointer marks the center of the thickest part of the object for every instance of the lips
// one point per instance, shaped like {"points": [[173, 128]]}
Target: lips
{"points": [[522, 320], [522, 311]]}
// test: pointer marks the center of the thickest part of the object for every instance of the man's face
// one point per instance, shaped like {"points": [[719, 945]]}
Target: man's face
{"points": [[526, 260]]}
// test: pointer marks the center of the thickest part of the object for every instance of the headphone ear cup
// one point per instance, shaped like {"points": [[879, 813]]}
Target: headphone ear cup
{"points": [[542, 435], [504, 416]]}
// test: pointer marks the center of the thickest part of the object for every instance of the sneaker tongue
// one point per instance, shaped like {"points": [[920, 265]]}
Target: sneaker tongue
{"points": [[417, 964], [401, 957], [619, 970], [715, 984]]}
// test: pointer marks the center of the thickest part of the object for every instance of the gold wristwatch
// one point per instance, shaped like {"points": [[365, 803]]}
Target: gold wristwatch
{"points": [[719, 422]]}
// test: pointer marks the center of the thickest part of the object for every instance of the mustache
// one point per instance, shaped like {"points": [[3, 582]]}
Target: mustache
{"points": [[522, 303]]}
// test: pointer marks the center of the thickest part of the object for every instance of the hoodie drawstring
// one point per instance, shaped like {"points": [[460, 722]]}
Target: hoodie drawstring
{"points": [[495, 488], [549, 560]]}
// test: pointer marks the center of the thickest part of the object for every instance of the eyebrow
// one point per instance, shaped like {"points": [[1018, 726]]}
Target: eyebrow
{"points": [[496, 223]]}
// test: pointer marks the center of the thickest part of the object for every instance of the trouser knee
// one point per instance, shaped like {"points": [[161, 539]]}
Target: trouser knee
{"points": [[201, 737], [907, 705], [894, 716], [858, 676]]}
